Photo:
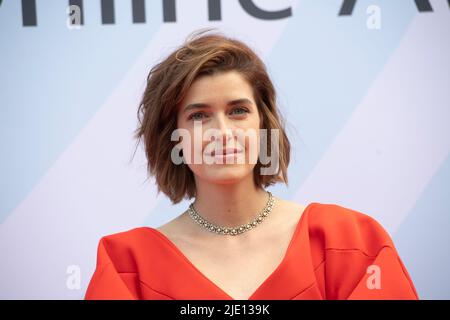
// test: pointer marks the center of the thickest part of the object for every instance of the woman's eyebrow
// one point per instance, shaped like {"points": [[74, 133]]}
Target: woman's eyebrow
{"points": [[200, 105]]}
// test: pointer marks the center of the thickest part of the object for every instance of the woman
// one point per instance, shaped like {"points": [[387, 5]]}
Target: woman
{"points": [[210, 101]]}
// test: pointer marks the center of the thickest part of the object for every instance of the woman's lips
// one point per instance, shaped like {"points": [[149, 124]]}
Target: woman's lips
{"points": [[222, 156], [228, 155], [226, 152]]}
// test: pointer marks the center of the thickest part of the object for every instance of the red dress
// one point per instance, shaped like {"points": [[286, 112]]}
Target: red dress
{"points": [[334, 253]]}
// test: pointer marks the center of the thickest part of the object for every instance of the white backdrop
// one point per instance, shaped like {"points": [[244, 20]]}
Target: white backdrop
{"points": [[365, 94]]}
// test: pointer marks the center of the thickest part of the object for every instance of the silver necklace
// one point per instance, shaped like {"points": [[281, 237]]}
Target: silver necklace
{"points": [[232, 230]]}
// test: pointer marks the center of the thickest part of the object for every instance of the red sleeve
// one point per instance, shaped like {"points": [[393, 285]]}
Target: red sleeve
{"points": [[360, 260], [385, 278], [107, 283]]}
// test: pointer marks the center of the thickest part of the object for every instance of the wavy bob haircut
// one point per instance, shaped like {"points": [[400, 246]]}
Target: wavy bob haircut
{"points": [[202, 53]]}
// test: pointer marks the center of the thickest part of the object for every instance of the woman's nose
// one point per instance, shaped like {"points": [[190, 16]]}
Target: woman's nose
{"points": [[223, 128]]}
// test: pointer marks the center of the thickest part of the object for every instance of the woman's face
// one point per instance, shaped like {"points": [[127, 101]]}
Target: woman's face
{"points": [[221, 120]]}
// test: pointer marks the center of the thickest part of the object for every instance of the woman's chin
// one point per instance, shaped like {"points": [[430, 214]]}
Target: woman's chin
{"points": [[226, 175]]}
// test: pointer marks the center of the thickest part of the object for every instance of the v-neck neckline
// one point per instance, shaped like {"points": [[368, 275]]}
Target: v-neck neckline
{"points": [[163, 237]]}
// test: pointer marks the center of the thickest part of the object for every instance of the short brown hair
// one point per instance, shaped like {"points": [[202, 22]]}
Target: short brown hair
{"points": [[167, 84]]}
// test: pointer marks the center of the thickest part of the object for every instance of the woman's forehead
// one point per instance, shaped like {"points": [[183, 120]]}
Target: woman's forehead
{"points": [[218, 86]]}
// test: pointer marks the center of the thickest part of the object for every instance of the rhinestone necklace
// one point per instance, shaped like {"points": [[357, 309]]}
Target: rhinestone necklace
{"points": [[232, 230]]}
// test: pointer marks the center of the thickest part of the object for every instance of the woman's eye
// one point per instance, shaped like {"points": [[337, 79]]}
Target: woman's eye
{"points": [[201, 115], [241, 111], [196, 116]]}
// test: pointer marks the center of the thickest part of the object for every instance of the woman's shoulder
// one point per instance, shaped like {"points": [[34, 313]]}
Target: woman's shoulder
{"points": [[342, 227], [332, 213], [129, 241], [127, 235], [356, 254]]}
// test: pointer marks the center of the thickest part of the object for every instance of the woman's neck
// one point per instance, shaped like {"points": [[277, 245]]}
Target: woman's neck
{"points": [[230, 204]]}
